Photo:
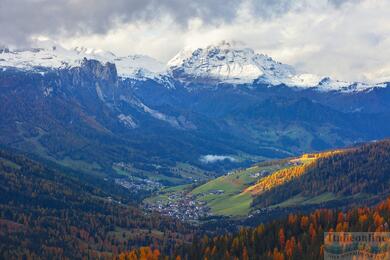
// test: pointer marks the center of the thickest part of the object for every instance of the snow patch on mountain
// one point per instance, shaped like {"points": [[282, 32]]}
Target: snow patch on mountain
{"points": [[51, 55], [47, 91], [239, 65], [179, 122], [222, 63], [128, 121], [231, 65], [328, 84]]}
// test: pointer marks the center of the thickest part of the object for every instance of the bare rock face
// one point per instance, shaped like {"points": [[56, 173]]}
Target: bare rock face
{"points": [[106, 72], [88, 110]]}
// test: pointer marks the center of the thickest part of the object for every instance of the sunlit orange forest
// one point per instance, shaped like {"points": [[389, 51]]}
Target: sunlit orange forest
{"points": [[298, 236]]}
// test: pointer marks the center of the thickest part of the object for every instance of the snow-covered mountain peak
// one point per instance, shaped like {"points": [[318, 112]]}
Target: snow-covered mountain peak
{"points": [[84, 51], [229, 63], [142, 62], [222, 63], [53, 56]]}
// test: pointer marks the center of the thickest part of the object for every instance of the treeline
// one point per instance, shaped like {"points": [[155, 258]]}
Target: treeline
{"points": [[45, 214], [364, 170], [297, 236]]}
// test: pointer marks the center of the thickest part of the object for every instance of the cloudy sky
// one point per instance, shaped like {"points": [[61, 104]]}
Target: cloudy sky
{"points": [[349, 40]]}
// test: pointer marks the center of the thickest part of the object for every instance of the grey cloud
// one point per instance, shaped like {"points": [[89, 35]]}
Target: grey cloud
{"points": [[339, 3], [269, 9], [20, 19]]}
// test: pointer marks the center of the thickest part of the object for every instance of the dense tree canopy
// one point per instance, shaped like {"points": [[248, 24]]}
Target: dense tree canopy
{"points": [[358, 171], [50, 215]]}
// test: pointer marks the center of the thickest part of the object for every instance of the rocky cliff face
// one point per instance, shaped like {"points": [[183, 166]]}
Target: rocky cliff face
{"points": [[90, 115]]}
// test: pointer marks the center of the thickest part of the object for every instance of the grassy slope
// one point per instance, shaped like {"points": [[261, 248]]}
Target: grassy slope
{"points": [[233, 194], [232, 201], [239, 186], [163, 194], [184, 173]]}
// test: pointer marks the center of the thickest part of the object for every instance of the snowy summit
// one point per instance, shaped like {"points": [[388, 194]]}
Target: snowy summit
{"points": [[52, 55], [229, 63], [222, 63]]}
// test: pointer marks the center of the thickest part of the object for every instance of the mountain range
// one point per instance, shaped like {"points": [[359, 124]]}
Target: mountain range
{"points": [[222, 63], [108, 157], [134, 116]]}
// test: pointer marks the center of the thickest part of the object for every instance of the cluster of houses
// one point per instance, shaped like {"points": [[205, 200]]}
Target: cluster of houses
{"points": [[260, 174], [262, 211], [182, 206], [216, 192], [138, 185]]}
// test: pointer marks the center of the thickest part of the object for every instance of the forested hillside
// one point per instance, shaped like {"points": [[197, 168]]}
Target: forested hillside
{"points": [[47, 214], [361, 173], [353, 176], [297, 236]]}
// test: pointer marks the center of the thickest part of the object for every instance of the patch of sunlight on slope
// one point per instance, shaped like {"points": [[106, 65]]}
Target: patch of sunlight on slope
{"points": [[224, 194], [298, 167], [237, 205], [233, 193]]}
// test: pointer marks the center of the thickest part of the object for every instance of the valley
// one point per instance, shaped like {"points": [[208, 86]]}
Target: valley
{"points": [[220, 153], [240, 193], [194, 130], [101, 112], [107, 216]]}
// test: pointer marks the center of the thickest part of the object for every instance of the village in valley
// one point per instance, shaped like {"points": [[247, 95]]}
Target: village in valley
{"points": [[181, 205], [191, 202], [136, 185]]}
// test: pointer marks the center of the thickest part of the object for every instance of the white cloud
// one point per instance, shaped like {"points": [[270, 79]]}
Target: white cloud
{"points": [[348, 40], [211, 158]]}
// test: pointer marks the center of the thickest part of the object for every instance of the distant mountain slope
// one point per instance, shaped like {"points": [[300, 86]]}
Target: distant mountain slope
{"points": [[221, 63], [86, 118], [229, 63], [50, 55], [49, 214], [80, 109]]}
